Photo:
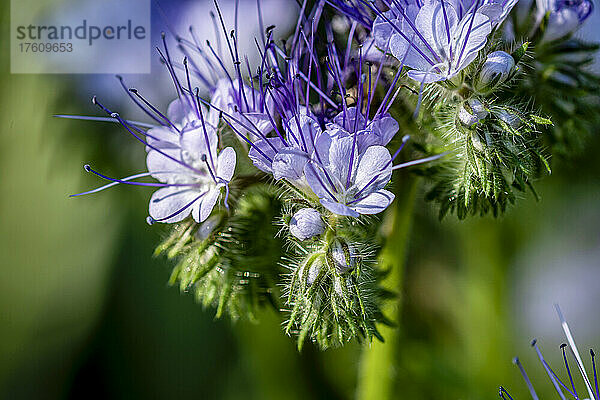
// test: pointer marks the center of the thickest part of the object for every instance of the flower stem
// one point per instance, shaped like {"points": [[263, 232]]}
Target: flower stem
{"points": [[377, 369]]}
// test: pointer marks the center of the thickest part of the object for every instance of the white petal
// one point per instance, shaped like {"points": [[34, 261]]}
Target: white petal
{"points": [[226, 163], [167, 201], [374, 163], [374, 203], [208, 203]]}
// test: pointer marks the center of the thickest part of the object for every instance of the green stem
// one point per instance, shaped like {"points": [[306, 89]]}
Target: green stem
{"points": [[376, 376]]}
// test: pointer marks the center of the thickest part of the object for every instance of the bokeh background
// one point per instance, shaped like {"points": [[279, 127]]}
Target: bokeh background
{"points": [[85, 309]]}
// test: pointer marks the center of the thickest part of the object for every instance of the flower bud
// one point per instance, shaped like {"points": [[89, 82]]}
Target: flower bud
{"points": [[495, 70], [342, 256], [510, 118], [471, 112], [306, 223], [313, 271]]}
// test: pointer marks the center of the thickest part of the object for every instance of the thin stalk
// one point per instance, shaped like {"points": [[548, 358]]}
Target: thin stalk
{"points": [[378, 365]]}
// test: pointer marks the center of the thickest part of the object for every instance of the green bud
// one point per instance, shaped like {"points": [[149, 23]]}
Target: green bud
{"points": [[341, 256]]}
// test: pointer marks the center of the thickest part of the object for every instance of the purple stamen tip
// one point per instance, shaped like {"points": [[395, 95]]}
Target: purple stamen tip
{"points": [[533, 342], [87, 168], [150, 220]]}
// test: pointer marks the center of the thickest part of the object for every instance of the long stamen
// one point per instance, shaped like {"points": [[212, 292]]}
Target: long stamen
{"points": [[219, 61], [574, 351], [187, 74], [195, 68], [127, 180], [144, 109], [105, 119], [128, 128], [595, 375], [420, 161], [553, 379], [562, 346], [164, 117], [526, 379]]}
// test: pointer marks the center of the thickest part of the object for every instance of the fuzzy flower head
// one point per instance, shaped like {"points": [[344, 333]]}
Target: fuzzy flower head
{"points": [[437, 38], [335, 155]]}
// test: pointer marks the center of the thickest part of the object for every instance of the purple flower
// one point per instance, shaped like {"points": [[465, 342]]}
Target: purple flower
{"points": [[565, 16], [347, 181], [194, 174], [437, 38], [247, 108], [306, 223], [377, 132], [285, 158], [182, 156]]}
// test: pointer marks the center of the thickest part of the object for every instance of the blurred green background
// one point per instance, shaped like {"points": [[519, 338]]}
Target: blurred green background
{"points": [[85, 309]]}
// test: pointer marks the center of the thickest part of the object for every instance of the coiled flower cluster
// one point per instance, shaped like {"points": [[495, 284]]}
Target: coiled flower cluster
{"points": [[277, 181]]}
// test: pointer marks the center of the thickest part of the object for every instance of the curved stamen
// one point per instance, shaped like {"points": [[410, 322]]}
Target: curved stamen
{"points": [[127, 127], [167, 120], [595, 375], [126, 181], [562, 347], [555, 381], [144, 109], [526, 379], [105, 119]]}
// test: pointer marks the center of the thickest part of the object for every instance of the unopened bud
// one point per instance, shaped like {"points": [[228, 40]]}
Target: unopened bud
{"points": [[510, 118], [495, 70], [306, 223], [342, 256], [313, 271], [471, 112]]}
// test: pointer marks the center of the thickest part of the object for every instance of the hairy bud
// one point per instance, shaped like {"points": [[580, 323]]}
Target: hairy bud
{"points": [[306, 223], [471, 112], [341, 255], [496, 69]]}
